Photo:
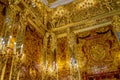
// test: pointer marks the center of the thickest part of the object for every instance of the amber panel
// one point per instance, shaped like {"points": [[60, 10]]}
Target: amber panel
{"points": [[98, 51]]}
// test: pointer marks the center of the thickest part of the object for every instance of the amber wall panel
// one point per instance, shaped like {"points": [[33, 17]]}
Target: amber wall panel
{"points": [[63, 59], [98, 50]]}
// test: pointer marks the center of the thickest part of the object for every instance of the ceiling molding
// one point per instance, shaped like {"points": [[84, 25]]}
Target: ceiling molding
{"points": [[86, 29], [116, 12]]}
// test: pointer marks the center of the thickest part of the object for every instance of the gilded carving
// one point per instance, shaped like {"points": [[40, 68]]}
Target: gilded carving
{"points": [[116, 22]]}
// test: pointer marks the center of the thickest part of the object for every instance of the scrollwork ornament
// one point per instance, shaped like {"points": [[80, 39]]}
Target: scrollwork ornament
{"points": [[11, 1], [17, 1], [45, 41], [107, 4], [53, 42], [116, 23], [71, 39], [23, 17]]}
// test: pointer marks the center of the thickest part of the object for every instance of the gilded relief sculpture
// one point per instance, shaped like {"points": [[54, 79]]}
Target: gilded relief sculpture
{"points": [[49, 57], [74, 68]]}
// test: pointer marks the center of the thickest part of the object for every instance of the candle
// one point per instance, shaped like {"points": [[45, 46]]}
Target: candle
{"points": [[1, 43], [23, 58], [21, 49], [9, 40], [14, 47]]}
